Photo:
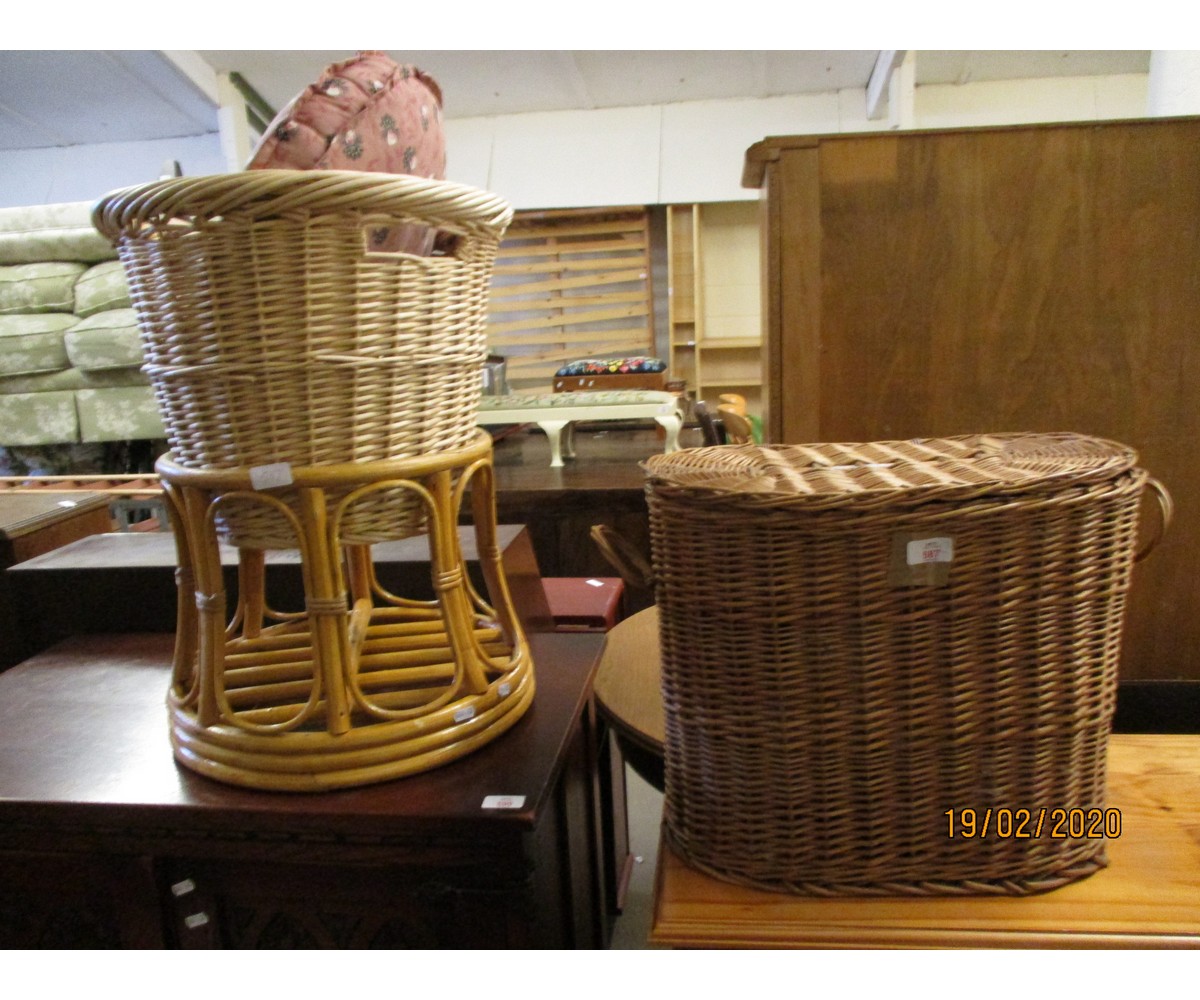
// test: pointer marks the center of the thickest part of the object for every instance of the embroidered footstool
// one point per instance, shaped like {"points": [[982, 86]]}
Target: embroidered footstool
{"points": [[607, 374]]}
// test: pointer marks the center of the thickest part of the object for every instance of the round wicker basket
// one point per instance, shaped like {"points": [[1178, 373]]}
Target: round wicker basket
{"points": [[859, 641], [276, 335]]}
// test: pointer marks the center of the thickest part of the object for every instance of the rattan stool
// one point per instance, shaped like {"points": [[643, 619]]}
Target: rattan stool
{"points": [[319, 392], [352, 689]]}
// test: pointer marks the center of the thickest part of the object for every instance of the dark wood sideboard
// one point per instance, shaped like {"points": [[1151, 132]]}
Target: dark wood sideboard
{"points": [[71, 589], [105, 841], [31, 524]]}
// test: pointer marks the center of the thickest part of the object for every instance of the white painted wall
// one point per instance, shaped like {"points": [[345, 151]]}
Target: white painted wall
{"points": [[655, 154], [84, 173], [1022, 102], [1174, 83], [693, 152]]}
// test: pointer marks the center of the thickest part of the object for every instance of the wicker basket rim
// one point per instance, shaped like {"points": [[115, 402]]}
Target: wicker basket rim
{"points": [[266, 194], [923, 468]]}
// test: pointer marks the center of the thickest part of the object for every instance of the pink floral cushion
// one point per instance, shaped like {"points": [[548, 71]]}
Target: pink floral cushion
{"points": [[367, 113]]}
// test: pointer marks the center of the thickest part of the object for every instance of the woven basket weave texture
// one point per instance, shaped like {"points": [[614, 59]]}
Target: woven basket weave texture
{"points": [[828, 704], [274, 333]]}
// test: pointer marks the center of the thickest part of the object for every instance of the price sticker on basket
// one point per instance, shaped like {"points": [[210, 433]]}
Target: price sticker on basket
{"points": [[269, 477], [920, 560], [504, 802], [930, 550]]}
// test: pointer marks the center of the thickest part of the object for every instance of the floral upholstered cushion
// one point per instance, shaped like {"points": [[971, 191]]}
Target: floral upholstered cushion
{"points": [[101, 287], [31, 234], [128, 413], [38, 418], [70, 351], [33, 343], [70, 379], [110, 339], [39, 288]]}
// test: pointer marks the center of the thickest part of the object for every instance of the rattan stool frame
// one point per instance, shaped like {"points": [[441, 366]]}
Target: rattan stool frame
{"points": [[830, 713], [361, 685]]}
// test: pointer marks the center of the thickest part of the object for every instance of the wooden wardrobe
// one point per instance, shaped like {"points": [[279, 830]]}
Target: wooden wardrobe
{"points": [[1029, 278]]}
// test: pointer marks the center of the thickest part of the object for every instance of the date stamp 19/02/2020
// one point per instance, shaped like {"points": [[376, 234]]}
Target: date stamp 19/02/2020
{"points": [[1027, 824]]}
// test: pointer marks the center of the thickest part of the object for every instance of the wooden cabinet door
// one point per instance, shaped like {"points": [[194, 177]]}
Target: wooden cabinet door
{"points": [[1037, 278]]}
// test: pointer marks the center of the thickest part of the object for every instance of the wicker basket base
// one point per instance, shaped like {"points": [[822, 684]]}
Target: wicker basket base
{"points": [[362, 685], [1086, 859]]}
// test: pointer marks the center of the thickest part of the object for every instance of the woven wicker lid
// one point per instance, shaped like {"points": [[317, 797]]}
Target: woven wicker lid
{"points": [[898, 471]]}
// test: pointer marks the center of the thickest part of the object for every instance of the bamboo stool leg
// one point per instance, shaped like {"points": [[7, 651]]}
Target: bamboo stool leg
{"points": [[184, 665], [449, 577], [325, 603], [361, 686], [252, 586], [487, 545]]}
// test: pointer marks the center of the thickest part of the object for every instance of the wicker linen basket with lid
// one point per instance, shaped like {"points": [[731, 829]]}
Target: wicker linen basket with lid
{"points": [[275, 334], [861, 640]]}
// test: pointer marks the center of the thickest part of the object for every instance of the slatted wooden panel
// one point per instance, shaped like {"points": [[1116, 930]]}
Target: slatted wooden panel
{"points": [[571, 284]]}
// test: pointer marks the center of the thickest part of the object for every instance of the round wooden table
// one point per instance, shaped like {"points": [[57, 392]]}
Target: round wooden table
{"points": [[629, 695]]}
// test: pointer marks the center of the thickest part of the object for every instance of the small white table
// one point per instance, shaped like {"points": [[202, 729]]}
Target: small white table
{"points": [[555, 413]]}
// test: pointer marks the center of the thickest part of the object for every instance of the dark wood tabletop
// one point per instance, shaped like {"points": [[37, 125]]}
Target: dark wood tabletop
{"points": [[608, 461], [604, 484], [84, 739], [30, 522]]}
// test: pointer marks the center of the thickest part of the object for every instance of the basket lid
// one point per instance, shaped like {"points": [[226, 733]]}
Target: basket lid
{"points": [[919, 469]]}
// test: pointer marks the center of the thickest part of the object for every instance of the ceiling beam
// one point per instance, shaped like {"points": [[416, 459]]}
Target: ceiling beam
{"points": [[242, 114], [879, 85], [575, 80], [193, 67], [258, 111], [233, 124]]}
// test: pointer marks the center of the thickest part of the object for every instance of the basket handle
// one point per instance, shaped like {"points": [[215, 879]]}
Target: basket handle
{"points": [[1166, 508], [624, 558]]}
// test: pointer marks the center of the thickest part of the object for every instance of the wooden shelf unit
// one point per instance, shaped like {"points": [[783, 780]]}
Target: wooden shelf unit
{"points": [[714, 309]]}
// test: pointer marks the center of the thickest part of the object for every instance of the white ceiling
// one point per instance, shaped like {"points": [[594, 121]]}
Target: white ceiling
{"points": [[118, 96], [491, 83]]}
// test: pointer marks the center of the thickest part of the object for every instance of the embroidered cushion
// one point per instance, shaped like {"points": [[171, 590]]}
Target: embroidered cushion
{"points": [[612, 366], [367, 113]]}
